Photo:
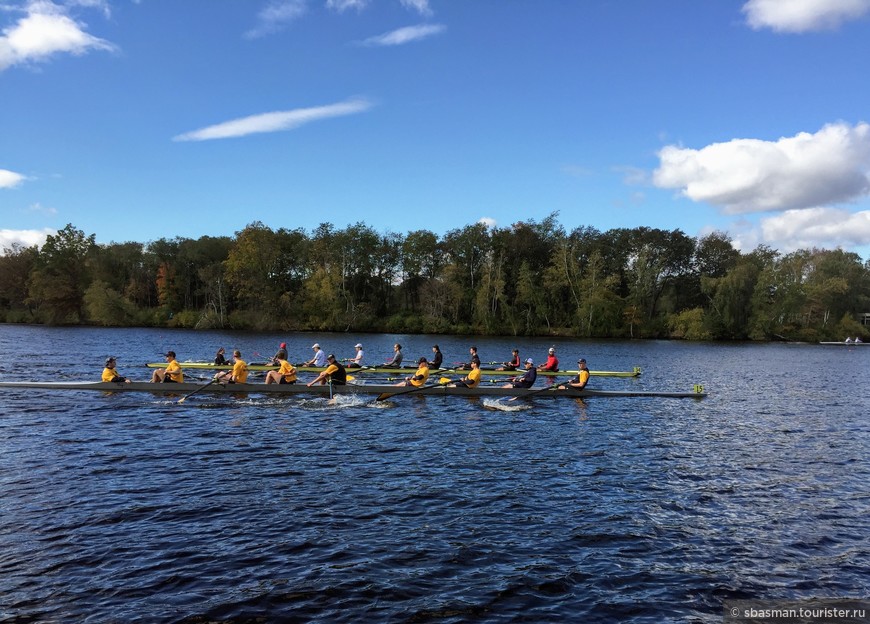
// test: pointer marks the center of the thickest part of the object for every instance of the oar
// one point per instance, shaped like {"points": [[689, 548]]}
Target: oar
{"points": [[190, 394], [556, 387], [386, 395]]}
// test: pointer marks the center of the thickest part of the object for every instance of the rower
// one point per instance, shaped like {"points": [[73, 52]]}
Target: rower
{"points": [[335, 373], [437, 358], [514, 363], [474, 358], [527, 379], [357, 360], [396, 361], [110, 374], [319, 359], [273, 361], [472, 380], [219, 359], [286, 373], [171, 374], [420, 377], [552, 363], [239, 374], [582, 378]]}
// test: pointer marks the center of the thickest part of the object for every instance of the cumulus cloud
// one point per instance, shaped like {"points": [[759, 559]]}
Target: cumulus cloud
{"points": [[798, 16], [488, 222], [275, 121], [27, 238], [10, 179], [405, 35], [750, 175], [804, 229], [45, 30], [276, 15]]}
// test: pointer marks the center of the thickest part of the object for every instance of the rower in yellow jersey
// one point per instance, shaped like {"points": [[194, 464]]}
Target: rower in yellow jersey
{"points": [[110, 374], [420, 377], [239, 374], [286, 373], [472, 380], [171, 374]]}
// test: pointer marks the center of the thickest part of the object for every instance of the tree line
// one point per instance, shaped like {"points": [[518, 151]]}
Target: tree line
{"points": [[531, 278]]}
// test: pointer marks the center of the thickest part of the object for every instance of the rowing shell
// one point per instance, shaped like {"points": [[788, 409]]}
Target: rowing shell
{"points": [[437, 390], [382, 370]]}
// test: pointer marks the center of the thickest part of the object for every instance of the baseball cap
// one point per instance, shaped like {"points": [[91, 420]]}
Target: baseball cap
{"points": [[357, 346], [552, 350], [530, 361], [330, 357], [421, 360], [315, 346], [169, 354], [283, 345], [110, 360], [581, 360]]}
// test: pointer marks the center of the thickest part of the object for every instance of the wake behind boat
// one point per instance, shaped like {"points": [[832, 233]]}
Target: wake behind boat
{"points": [[351, 388], [392, 371]]}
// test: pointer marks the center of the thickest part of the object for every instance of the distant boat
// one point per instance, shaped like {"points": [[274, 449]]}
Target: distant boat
{"points": [[843, 343]]}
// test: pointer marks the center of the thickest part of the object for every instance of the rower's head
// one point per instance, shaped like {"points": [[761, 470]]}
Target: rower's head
{"points": [[581, 363], [237, 354], [282, 355], [283, 345], [435, 348], [357, 346], [170, 355], [475, 364], [315, 346], [330, 358], [515, 351], [473, 350], [423, 362], [551, 351], [529, 363], [110, 362], [397, 347]]}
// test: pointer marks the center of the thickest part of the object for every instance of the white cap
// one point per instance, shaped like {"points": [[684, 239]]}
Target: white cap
{"points": [[315, 346], [530, 361], [357, 346], [552, 350]]}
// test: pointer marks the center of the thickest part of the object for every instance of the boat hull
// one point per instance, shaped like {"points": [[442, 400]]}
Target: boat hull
{"points": [[382, 370], [293, 389]]}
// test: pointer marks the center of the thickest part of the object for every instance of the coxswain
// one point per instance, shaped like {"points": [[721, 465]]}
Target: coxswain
{"points": [[110, 374]]}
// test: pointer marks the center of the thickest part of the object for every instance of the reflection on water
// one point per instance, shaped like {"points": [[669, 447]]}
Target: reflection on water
{"points": [[128, 506]]}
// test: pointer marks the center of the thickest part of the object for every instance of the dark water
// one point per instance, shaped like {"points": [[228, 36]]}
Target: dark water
{"points": [[132, 508]]}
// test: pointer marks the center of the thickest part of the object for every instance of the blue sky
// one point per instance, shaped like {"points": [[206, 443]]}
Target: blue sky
{"points": [[136, 120]]}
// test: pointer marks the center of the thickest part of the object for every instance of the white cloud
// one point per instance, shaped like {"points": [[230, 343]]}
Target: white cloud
{"points": [[276, 15], [28, 238], [44, 31], [804, 229], [488, 222], [10, 179], [802, 15], [405, 35], [275, 121], [39, 208], [421, 6], [750, 175], [343, 5]]}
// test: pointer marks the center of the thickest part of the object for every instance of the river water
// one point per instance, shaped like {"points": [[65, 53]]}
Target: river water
{"points": [[129, 507]]}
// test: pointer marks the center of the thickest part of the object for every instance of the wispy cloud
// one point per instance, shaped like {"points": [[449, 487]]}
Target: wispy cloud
{"points": [[10, 179], [744, 176], [45, 30], [343, 5], [797, 16], [405, 35], [276, 15], [421, 6], [275, 121], [40, 209]]}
